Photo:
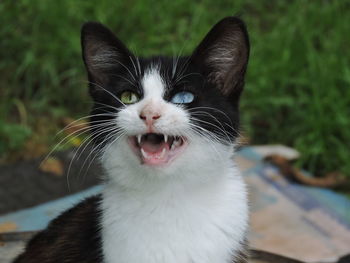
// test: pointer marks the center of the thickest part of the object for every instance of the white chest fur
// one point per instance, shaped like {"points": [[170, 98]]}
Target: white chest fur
{"points": [[175, 223]]}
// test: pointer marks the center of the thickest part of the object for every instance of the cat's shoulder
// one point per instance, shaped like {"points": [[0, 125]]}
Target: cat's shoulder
{"points": [[74, 236]]}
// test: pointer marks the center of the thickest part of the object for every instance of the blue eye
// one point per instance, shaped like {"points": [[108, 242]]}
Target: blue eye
{"points": [[182, 97]]}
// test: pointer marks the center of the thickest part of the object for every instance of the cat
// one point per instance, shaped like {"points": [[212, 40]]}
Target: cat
{"points": [[166, 129]]}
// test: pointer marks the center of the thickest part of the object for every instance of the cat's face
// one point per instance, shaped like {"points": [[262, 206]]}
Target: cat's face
{"points": [[160, 115]]}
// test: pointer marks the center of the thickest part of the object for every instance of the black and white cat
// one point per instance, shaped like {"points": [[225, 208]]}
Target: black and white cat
{"points": [[166, 128]]}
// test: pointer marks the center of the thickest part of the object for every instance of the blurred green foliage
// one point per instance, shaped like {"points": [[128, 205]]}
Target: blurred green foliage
{"points": [[13, 135], [298, 83]]}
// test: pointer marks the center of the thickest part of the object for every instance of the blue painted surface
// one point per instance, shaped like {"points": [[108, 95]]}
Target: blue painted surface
{"points": [[37, 217]]}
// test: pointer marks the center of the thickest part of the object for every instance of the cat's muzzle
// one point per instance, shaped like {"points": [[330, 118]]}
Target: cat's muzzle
{"points": [[157, 149]]}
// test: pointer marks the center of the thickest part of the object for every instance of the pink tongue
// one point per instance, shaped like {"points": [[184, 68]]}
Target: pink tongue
{"points": [[153, 153], [153, 147]]}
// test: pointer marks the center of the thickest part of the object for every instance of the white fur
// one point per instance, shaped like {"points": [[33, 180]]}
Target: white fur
{"points": [[153, 84], [194, 210]]}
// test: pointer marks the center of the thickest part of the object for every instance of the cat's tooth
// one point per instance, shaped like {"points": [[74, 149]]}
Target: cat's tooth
{"points": [[165, 138], [139, 138], [144, 154], [176, 142], [162, 154]]}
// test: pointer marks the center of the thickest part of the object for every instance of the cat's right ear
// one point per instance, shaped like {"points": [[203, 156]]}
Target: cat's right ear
{"points": [[223, 54], [103, 53]]}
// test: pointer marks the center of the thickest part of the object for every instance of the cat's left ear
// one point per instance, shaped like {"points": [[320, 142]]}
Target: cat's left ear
{"points": [[103, 53], [222, 56]]}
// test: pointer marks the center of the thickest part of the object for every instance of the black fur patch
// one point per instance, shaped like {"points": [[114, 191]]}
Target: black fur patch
{"points": [[72, 237]]}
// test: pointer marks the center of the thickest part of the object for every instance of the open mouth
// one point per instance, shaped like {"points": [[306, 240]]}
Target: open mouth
{"points": [[157, 149]]}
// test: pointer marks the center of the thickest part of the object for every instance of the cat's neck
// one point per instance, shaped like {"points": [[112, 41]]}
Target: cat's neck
{"points": [[206, 180], [137, 180], [178, 219]]}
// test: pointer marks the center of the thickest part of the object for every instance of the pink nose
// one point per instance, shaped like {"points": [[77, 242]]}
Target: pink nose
{"points": [[149, 117]]}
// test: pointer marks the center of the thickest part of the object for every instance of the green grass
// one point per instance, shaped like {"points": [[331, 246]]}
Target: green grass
{"points": [[298, 83]]}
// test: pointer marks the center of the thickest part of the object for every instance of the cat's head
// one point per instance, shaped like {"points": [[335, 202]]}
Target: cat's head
{"points": [[163, 115]]}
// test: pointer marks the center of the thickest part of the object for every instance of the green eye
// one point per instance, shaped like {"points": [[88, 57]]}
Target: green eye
{"points": [[129, 97]]}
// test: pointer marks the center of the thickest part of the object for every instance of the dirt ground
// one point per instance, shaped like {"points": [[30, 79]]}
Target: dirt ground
{"points": [[24, 185]]}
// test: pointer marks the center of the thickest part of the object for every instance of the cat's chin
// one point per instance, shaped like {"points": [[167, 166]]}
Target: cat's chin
{"points": [[155, 149]]}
